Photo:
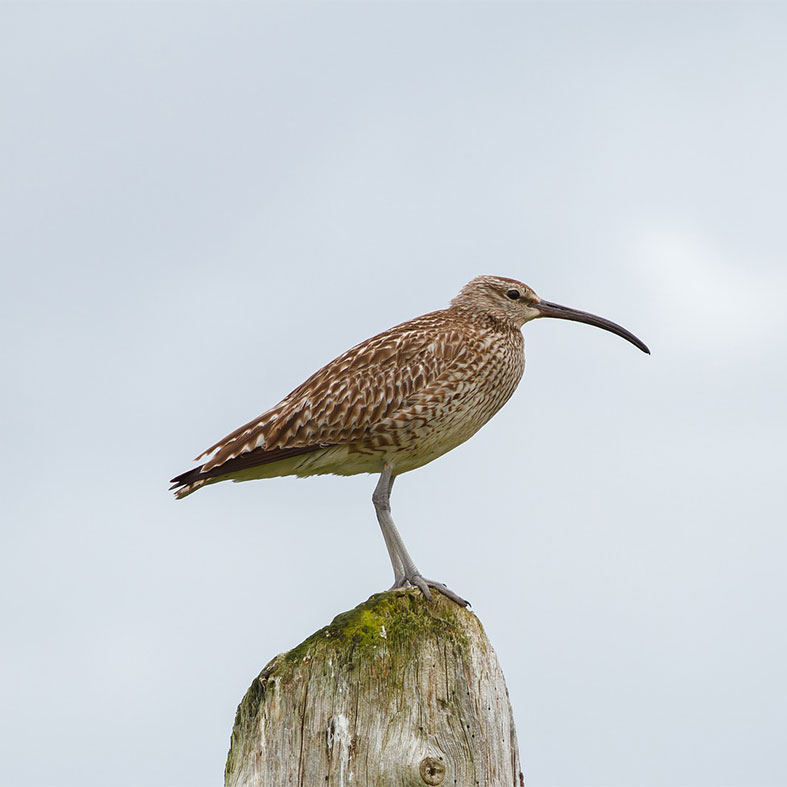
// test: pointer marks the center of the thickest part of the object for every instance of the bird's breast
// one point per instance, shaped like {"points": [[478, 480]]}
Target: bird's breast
{"points": [[477, 384]]}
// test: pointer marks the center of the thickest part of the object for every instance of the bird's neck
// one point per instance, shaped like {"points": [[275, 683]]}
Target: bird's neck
{"points": [[488, 320]]}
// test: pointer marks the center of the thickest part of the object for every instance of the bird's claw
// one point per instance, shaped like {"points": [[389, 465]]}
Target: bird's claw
{"points": [[446, 591], [424, 584]]}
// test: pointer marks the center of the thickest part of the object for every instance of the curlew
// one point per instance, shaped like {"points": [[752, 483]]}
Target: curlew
{"points": [[394, 403]]}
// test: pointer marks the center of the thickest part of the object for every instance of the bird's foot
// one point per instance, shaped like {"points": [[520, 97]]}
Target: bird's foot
{"points": [[399, 582], [424, 584]]}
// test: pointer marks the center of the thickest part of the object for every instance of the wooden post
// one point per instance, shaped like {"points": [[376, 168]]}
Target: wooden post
{"points": [[396, 692]]}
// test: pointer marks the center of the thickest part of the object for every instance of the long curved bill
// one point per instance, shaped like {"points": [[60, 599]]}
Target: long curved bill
{"points": [[548, 309]]}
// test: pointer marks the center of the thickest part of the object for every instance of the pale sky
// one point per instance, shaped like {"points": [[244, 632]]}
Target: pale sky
{"points": [[200, 204]]}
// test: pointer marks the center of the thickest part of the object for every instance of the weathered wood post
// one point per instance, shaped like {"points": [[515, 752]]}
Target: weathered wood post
{"points": [[397, 692]]}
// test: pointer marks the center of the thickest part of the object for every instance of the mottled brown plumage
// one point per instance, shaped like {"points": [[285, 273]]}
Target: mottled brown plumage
{"points": [[405, 396], [394, 402]]}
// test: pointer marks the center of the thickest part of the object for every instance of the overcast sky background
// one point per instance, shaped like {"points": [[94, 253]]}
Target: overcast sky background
{"points": [[200, 204]]}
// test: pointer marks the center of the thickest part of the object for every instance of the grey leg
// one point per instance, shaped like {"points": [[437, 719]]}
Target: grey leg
{"points": [[405, 570], [380, 498]]}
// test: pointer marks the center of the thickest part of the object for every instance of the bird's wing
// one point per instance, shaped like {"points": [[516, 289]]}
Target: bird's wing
{"points": [[342, 402]]}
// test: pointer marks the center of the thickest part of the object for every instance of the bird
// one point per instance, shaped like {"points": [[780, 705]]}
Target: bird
{"points": [[394, 403]]}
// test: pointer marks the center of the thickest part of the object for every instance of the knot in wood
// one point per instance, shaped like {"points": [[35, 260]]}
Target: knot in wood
{"points": [[432, 770]]}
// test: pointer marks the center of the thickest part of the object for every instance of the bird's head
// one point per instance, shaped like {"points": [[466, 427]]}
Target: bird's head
{"points": [[514, 302]]}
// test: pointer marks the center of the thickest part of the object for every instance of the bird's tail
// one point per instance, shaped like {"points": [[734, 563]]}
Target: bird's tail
{"points": [[188, 482], [241, 468]]}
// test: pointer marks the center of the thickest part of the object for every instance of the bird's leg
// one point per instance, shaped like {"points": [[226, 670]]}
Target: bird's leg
{"points": [[400, 557], [404, 568], [381, 498]]}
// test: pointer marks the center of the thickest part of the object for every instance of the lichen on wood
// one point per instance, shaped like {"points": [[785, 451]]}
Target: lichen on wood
{"points": [[398, 691]]}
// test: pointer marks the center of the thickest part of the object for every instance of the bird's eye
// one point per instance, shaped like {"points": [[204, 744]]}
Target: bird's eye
{"points": [[513, 294]]}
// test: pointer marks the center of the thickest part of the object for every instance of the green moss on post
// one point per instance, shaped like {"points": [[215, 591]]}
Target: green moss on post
{"points": [[390, 619]]}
